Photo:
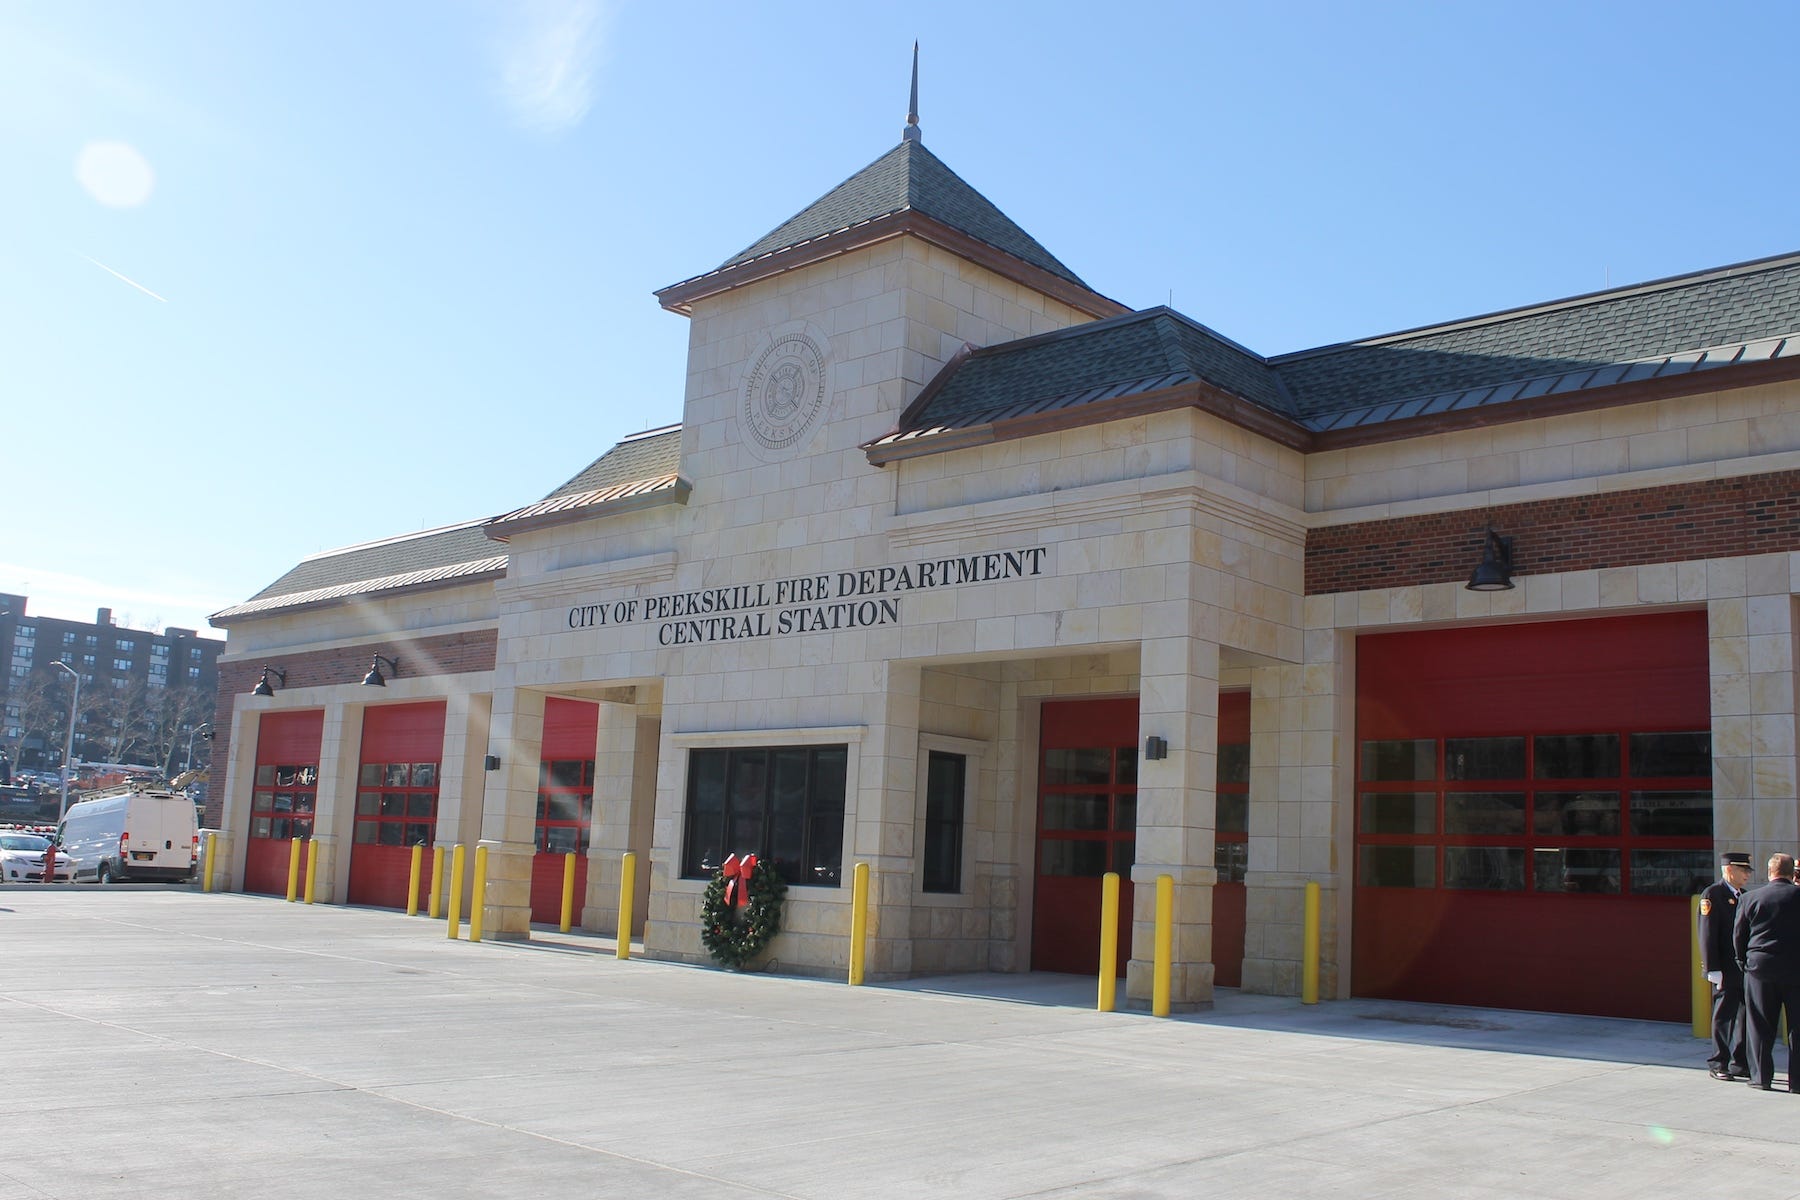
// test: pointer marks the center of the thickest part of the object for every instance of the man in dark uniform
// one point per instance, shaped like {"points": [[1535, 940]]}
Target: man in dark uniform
{"points": [[1766, 939], [1718, 960]]}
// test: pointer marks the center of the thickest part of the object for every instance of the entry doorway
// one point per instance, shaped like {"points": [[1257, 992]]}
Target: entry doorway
{"points": [[1087, 826]]}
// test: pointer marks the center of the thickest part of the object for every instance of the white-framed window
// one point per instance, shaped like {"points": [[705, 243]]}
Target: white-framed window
{"points": [[944, 817]]}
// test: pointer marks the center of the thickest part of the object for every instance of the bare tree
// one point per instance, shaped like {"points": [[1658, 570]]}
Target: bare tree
{"points": [[43, 709]]}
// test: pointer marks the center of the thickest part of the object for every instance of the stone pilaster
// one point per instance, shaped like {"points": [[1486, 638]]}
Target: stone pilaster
{"points": [[509, 812], [885, 801], [1178, 701], [240, 783], [1750, 642], [334, 806], [610, 836]]}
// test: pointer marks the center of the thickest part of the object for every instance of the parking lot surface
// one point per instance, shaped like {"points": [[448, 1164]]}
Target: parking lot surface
{"points": [[167, 1043]]}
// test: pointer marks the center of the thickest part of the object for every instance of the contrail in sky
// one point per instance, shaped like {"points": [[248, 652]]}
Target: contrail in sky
{"points": [[134, 283]]}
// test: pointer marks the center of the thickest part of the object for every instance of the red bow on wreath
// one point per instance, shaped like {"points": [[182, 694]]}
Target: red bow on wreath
{"points": [[737, 879]]}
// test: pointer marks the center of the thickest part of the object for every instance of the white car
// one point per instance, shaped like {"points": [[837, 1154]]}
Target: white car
{"points": [[22, 859]]}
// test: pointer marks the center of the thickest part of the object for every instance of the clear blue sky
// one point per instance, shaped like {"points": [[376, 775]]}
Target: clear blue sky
{"points": [[387, 266]]}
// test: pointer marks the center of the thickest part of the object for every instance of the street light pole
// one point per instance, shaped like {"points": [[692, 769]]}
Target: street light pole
{"points": [[68, 740], [190, 754]]}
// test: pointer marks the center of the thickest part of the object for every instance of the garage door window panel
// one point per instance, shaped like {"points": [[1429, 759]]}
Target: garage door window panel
{"points": [[784, 804]]}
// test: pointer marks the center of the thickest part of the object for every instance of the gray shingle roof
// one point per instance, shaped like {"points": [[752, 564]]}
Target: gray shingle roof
{"points": [[431, 549], [1124, 356], [648, 455], [1732, 315], [1727, 306], [906, 177]]}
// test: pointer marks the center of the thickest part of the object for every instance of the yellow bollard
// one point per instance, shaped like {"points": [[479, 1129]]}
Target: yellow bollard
{"points": [[206, 878], [627, 893], [433, 909], [1165, 945], [454, 882], [312, 867], [1701, 992], [859, 920], [1309, 947], [568, 908], [293, 892], [478, 899], [1109, 941], [412, 880]]}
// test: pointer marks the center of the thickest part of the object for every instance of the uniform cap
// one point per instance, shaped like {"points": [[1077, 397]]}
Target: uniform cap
{"points": [[1735, 859]]}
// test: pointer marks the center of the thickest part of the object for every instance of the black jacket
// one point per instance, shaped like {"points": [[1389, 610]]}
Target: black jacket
{"points": [[1766, 937], [1718, 916]]}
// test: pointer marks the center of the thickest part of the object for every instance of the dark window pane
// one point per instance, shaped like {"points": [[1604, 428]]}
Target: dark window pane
{"points": [[706, 834], [1125, 814], [1232, 859], [826, 856], [368, 804], [260, 828], [262, 802], [1576, 814], [265, 776], [284, 802], [745, 831], [304, 801], [829, 767], [1398, 866], [283, 828], [370, 775], [1399, 812], [284, 776], [564, 808], [706, 781], [418, 834], [942, 853], [1672, 814], [394, 774], [1484, 758], [566, 773], [1671, 754], [1405, 759], [1671, 872], [393, 804], [1124, 854], [1582, 756], [307, 776], [365, 833], [1501, 814], [543, 808], [1234, 763], [1074, 858], [392, 833], [1576, 871], [1092, 765], [1488, 868], [1075, 811], [420, 804], [302, 828], [560, 840], [1233, 809], [1128, 764]]}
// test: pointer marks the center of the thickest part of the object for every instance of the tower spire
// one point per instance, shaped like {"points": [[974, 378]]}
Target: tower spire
{"points": [[911, 132]]}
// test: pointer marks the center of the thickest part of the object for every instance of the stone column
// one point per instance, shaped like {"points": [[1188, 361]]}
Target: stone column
{"points": [[334, 811], [884, 801], [1178, 700], [1751, 662], [509, 812], [240, 782], [1302, 788], [615, 776]]}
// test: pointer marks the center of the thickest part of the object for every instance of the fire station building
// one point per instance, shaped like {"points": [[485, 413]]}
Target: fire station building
{"points": [[957, 568]]}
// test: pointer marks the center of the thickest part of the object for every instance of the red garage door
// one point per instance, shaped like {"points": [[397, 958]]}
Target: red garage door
{"points": [[396, 800], [282, 801], [1232, 833], [1533, 809], [1087, 826], [565, 805]]}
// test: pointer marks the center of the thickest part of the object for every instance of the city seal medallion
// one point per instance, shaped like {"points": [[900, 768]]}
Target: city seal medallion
{"points": [[785, 391]]}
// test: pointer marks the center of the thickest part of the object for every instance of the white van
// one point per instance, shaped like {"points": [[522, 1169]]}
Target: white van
{"points": [[131, 836]]}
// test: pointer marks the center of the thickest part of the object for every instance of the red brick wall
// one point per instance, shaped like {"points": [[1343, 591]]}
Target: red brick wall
{"points": [[1758, 514], [452, 654]]}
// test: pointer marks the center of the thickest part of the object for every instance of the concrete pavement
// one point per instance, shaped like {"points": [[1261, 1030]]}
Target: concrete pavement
{"points": [[167, 1043]]}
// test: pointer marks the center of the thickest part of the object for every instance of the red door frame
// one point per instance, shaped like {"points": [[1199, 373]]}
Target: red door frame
{"points": [[1618, 954], [287, 757], [571, 730], [1065, 925], [410, 734], [1229, 898]]}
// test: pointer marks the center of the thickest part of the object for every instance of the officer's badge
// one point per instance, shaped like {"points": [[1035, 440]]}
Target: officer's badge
{"points": [[1705, 907]]}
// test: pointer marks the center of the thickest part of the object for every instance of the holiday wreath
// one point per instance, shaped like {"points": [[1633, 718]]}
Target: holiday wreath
{"points": [[741, 910]]}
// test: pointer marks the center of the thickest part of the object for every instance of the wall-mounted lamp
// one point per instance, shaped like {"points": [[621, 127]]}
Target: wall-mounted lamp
{"points": [[263, 686], [375, 678], [1494, 573], [491, 763], [1156, 748]]}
